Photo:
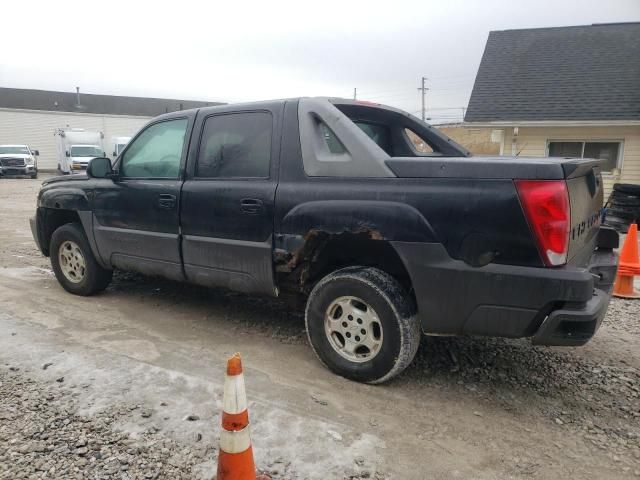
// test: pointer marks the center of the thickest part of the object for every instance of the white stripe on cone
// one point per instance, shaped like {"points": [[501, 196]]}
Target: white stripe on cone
{"points": [[235, 442], [235, 396]]}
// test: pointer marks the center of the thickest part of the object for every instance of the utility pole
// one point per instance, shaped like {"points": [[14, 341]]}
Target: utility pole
{"points": [[423, 90], [355, 93]]}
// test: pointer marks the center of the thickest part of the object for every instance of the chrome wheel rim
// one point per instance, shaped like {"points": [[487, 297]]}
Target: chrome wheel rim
{"points": [[71, 261], [353, 329]]}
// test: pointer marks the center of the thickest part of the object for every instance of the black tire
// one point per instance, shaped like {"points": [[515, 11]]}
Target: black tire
{"points": [[619, 224], [623, 212], [34, 176], [94, 278], [624, 200], [628, 188], [619, 203], [391, 305]]}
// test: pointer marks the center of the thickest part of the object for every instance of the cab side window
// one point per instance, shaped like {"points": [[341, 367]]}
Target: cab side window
{"points": [[156, 152], [235, 145]]}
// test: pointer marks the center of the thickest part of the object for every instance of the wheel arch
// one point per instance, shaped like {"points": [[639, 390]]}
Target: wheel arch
{"points": [[386, 220], [50, 219], [320, 253], [324, 236]]}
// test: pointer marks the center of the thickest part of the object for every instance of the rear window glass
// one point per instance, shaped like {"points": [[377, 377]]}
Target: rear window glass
{"points": [[378, 133]]}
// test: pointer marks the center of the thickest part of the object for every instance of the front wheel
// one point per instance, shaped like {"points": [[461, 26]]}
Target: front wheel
{"points": [[362, 325], [73, 262]]}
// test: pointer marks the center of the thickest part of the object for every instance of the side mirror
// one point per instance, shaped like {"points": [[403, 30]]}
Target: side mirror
{"points": [[115, 154], [67, 153], [36, 153], [100, 167]]}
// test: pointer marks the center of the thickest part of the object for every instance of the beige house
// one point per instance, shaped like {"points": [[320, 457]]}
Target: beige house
{"points": [[568, 91]]}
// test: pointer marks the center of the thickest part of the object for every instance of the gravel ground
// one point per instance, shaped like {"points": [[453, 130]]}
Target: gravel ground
{"points": [[600, 402], [42, 436], [624, 316]]}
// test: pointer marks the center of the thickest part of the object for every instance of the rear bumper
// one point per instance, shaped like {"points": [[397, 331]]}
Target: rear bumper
{"points": [[554, 306], [574, 326]]}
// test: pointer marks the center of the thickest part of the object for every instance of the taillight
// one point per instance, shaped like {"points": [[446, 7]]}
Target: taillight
{"points": [[546, 205]]}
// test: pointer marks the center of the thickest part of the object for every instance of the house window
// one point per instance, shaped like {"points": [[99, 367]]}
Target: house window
{"points": [[608, 151]]}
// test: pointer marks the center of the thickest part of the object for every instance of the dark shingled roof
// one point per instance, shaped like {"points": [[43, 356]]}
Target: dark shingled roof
{"points": [[91, 103], [568, 73]]}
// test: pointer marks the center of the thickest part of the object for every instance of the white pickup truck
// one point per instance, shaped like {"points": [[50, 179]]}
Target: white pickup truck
{"points": [[18, 160]]}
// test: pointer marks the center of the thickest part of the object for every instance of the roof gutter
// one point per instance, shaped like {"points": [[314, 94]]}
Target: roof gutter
{"points": [[553, 123]]}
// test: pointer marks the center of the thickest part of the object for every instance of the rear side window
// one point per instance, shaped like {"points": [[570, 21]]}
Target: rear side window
{"points": [[235, 145]]}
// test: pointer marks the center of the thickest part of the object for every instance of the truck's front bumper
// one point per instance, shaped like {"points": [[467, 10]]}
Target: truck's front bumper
{"points": [[25, 170], [554, 306]]}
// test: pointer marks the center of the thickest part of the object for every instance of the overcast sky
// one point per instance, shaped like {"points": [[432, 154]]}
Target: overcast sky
{"points": [[236, 51]]}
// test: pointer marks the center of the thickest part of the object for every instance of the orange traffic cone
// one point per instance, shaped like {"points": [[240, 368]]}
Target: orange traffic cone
{"points": [[629, 266], [235, 461]]}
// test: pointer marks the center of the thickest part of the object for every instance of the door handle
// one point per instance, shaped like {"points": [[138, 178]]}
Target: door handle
{"points": [[251, 205], [166, 201]]}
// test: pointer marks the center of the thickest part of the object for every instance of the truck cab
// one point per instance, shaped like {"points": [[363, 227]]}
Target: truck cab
{"points": [[81, 155]]}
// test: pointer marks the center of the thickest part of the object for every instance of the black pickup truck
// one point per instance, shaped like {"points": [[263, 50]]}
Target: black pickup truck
{"points": [[384, 226]]}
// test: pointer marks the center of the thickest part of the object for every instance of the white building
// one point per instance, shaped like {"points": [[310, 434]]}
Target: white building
{"points": [[31, 116]]}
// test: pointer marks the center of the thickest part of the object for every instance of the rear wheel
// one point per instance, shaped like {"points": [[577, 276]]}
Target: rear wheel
{"points": [[361, 324], [73, 262]]}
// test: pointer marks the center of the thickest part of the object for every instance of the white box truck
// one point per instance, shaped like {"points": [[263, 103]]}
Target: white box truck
{"points": [[118, 145], [76, 147]]}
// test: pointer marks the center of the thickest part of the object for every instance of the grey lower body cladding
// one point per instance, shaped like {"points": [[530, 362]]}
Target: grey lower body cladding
{"points": [[555, 306]]}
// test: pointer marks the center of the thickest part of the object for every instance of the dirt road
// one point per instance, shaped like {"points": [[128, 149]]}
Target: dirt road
{"points": [[467, 408]]}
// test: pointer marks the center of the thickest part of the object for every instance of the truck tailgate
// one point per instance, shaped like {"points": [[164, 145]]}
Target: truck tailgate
{"points": [[584, 183]]}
